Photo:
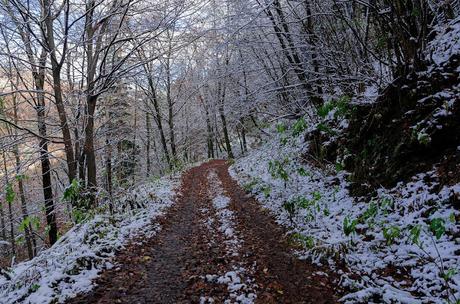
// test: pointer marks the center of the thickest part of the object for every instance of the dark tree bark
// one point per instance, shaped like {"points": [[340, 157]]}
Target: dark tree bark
{"points": [[210, 133], [108, 158], [38, 68], [47, 28], [172, 136], [158, 118], [2, 222], [22, 196], [148, 143], [88, 150], [221, 94], [10, 209]]}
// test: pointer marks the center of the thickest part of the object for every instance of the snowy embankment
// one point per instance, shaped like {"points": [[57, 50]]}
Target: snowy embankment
{"points": [[401, 246], [70, 266]]}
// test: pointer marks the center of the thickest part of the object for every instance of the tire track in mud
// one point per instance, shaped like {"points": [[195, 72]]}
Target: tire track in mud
{"points": [[215, 246]]}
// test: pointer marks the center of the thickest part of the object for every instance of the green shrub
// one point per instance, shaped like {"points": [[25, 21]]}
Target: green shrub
{"points": [[306, 240], [341, 106], [391, 234], [370, 213], [302, 172], [281, 128], [277, 169], [299, 127], [291, 209], [437, 227], [266, 190], [248, 187], [414, 234], [349, 226], [326, 129]]}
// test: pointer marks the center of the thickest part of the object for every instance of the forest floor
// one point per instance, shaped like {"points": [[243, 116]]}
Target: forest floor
{"points": [[216, 245]]}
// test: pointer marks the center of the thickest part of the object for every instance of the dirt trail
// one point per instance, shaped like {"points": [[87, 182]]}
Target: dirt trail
{"points": [[216, 245]]}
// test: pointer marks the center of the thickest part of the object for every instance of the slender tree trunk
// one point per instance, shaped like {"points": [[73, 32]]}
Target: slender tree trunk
{"points": [[81, 159], [283, 34], [210, 141], [89, 152], [240, 141], [57, 87], [210, 135], [109, 178], [158, 121], [109, 167], [38, 66], [70, 157], [172, 137], [228, 145], [12, 236], [134, 164], [10, 210], [2, 222], [243, 135], [46, 173], [92, 46], [108, 160], [155, 149], [25, 214], [22, 196], [147, 152], [218, 146]]}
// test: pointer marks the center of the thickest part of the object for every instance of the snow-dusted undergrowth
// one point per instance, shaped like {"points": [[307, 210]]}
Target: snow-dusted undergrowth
{"points": [[393, 245], [69, 267], [446, 44]]}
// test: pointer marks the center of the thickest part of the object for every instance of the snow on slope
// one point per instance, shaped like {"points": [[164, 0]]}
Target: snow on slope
{"points": [[447, 43], [77, 258], [391, 253]]}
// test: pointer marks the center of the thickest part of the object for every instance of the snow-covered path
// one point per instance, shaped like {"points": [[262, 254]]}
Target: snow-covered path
{"points": [[216, 246]]}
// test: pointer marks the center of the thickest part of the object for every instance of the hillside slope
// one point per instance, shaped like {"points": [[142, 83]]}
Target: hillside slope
{"points": [[399, 246], [71, 265]]}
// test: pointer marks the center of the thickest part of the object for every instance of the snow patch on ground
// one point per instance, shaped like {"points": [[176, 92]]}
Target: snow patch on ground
{"points": [[447, 43], [69, 267], [240, 285], [390, 249]]}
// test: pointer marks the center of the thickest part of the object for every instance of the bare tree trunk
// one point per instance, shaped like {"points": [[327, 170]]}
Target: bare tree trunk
{"points": [[228, 145], [147, 152], [56, 67], [108, 160], [38, 68], [2, 222], [81, 159], [210, 135], [243, 135], [172, 138], [210, 139], [134, 145], [88, 149], [158, 120], [284, 36], [25, 214], [46, 173], [10, 210]]}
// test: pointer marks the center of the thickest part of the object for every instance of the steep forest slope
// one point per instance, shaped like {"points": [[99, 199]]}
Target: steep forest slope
{"points": [[70, 266], [413, 124], [373, 189]]}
